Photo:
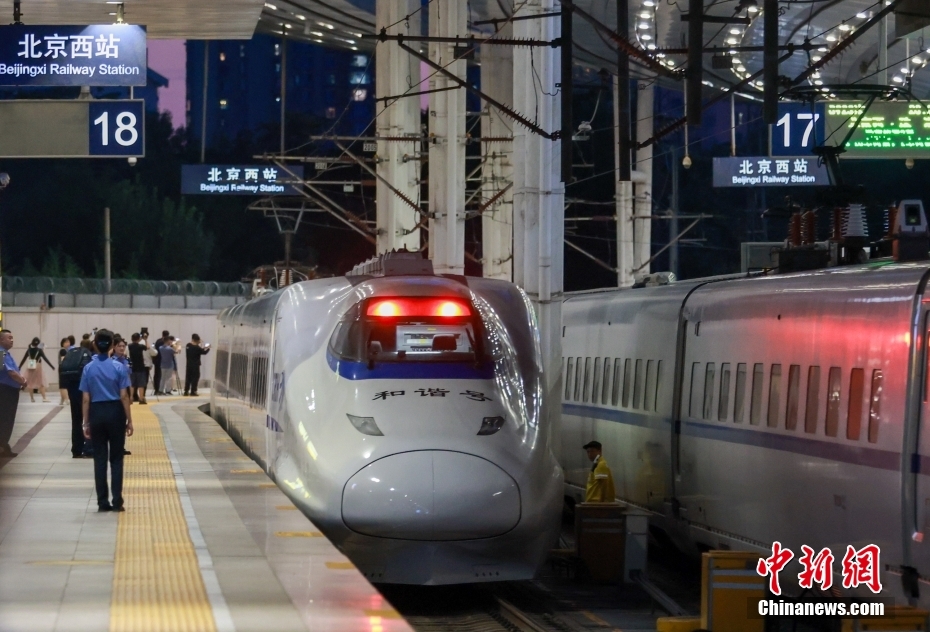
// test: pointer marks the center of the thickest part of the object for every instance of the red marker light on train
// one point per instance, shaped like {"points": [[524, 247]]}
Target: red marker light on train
{"points": [[396, 307]]}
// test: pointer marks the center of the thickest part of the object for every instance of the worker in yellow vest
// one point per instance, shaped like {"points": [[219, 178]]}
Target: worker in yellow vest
{"points": [[600, 487]]}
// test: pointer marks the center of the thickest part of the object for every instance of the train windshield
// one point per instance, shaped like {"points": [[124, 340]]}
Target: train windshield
{"points": [[419, 329]]}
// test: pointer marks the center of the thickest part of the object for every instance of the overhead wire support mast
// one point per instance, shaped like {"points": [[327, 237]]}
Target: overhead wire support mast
{"points": [[496, 21], [471, 42], [504, 109]]}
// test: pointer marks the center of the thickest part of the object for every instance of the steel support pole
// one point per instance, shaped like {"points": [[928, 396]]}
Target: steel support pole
{"points": [[283, 90], [539, 198], [567, 92], [107, 262], [623, 155], [883, 52], [396, 73], [642, 206], [497, 169], [203, 114], [673, 222], [447, 18], [695, 70], [770, 62]]}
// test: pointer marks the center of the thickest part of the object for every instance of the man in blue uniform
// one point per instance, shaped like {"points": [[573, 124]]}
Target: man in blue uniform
{"points": [[11, 382], [107, 418]]}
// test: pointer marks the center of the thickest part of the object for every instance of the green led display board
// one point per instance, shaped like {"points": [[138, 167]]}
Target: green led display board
{"points": [[890, 129]]}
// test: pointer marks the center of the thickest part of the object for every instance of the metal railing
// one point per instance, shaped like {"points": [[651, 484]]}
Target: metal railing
{"points": [[50, 285]]}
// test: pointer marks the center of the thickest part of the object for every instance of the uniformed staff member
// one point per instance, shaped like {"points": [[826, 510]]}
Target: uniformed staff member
{"points": [[107, 418], [600, 487]]}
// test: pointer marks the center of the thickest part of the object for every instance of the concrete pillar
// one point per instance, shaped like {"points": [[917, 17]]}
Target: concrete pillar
{"points": [[539, 196], [447, 18], [497, 170], [395, 73], [642, 203], [624, 198]]}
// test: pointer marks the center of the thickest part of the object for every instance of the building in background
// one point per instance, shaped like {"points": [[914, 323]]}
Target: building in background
{"points": [[244, 86]]}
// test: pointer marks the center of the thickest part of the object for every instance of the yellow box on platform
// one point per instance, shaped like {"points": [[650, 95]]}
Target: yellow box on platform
{"points": [[896, 619], [730, 591], [678, 624]]}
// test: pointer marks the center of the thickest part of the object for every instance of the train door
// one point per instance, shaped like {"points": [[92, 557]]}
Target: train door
{"points": [[917, 481]]}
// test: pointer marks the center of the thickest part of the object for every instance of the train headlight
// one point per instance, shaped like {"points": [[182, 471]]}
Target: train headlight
{"points": [[490, 425], [366, 425]]}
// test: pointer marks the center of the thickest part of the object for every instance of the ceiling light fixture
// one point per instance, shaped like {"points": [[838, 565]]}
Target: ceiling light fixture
{"points": [[831, 37], [268, 5]]}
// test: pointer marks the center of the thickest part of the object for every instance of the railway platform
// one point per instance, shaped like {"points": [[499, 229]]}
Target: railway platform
{"points": [[207, 541]]}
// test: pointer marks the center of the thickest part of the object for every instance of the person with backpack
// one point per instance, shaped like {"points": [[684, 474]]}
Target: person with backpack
{"points": [[32, 365], [70, 370], [107, 419]]}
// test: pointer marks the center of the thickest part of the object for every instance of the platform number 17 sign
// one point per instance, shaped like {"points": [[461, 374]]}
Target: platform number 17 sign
{"points": [[117, 128], [798, 130]]}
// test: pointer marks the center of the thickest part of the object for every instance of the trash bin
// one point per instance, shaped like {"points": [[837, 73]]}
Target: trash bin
{"points": [[600, 537], [730, 592]]}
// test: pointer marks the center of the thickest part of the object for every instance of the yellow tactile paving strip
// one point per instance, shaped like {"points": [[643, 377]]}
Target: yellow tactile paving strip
{"points": [[157, 584]]}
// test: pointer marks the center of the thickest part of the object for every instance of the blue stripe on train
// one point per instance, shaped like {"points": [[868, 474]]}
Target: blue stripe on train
{"points": [[409, 370], [798, 444]]}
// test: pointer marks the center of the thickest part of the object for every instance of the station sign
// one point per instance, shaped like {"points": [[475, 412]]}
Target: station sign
{"points": [[96, 55], [786, 171], [82, 128], [889, 129], [240, 180], [800, 127]]}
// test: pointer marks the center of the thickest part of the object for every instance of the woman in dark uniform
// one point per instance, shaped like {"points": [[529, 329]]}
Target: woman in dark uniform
{"points": [[32, 369]]}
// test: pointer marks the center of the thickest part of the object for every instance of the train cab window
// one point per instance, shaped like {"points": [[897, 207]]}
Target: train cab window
{"points": [[694, 401], [812, 410], [596, 388], [627, 381], [875, 405], [794, 389], [578, 376], [649, 401], [638, 385], [615, 391], [724, 401], [834, 386], [774, 396], [709, 379], [755, 404], [569, 377], [854, 412], [739, 397], [605, 383], [586, 389]]}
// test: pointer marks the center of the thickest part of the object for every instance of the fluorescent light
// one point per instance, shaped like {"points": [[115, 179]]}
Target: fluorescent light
{"points": [[753, 9], [898, 79], [651, 46], [643, 25], [646, 37], [649, 3], [741, 69], [301, 17], [845, 27], [317, 33], [732, 41], [268, 5], [818, 83], [735, 31], [816, 57], [861, 16], [645, 14], [831, 37]]}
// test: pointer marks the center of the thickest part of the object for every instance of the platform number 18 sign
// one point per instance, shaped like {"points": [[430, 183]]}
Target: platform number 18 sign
{"points": [[117, 128], [798, 130]]}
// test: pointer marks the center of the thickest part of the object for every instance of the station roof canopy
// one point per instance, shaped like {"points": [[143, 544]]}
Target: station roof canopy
{"points": [[658, 29], [165, 19]]}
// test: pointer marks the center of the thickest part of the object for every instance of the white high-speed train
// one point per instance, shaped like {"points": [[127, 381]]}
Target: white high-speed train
{"points": [[401, 411], [739, 412]]}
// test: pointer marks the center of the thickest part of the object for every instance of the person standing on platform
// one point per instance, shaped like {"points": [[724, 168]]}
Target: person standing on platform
{"points": [[600, 488], [157, 345], [107, 419], [192, 372], [11, 382], [70, 370], [62, 352], [169, 364], [32, 365], [140, 376]]}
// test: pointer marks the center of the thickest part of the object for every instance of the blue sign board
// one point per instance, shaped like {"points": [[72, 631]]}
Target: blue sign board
{"points": [[799, 128], [241, 180], [117, 128], [788, 171], [97, 55]]}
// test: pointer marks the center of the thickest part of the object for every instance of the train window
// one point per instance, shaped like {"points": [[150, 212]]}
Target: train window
{"points": [[724, 402], [649, 401], [794, 389], [875, 405], [812, 410], [739, 398], [596, 388], [586, 389], [638, 385], [709, 375], [694, 402], [569, 377], [755, 404], [578, 374], [605, 383], [834, 386], [627, 381], [658, 384], [774, 395], [615, 391], [854, 412]]}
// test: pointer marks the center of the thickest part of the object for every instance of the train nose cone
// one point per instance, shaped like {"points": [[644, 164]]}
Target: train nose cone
{"points": [[431, 495]]}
